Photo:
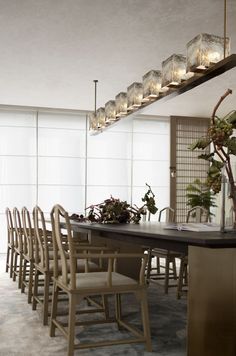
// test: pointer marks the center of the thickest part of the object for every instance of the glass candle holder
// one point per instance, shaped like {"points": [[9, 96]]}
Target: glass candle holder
{"points": [[205, 49], [173, 70], [92, 121], [151, 84], [135, 95], [110, 110], [101, 118], [121, 104]]}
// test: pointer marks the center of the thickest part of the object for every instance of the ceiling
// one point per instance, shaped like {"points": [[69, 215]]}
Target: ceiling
{"points": [[51, 50]]}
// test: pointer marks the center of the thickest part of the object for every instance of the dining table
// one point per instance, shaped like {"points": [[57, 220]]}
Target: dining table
{"points": [[211, 299]]}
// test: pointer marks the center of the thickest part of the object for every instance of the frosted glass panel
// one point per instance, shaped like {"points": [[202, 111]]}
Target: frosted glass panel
{"points": [[96, 195], [151, 147], [158, 126], [110, 145], [17, 141], [71, 198], [17, 195], [67, 121], [155, 173], [109, 172], [17, 170], [17, 118], [58, 142], [57, 170]]}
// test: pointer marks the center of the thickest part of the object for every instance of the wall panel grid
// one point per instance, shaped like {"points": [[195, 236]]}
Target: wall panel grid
{"points": [[184, 131]]}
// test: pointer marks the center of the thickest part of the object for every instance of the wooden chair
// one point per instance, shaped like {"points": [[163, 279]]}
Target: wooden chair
{"points": [[10, 242], [18, 247], [197, 214], [28, 253], [166, 271], [80, 285]]}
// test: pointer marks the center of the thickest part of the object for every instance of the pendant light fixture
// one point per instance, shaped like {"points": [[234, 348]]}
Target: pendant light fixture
{"points": [[207, 57]]}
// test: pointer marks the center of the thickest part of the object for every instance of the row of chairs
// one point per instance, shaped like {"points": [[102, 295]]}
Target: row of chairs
{"points": [[62, 267]]}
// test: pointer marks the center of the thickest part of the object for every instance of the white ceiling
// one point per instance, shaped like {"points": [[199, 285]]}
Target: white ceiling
{"points": [[51, 50]]}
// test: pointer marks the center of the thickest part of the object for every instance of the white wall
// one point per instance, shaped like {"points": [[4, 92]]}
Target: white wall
{"points": [[58, 161]]}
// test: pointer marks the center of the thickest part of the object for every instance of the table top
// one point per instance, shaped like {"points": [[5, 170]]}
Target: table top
{"points": [[154, 234]]}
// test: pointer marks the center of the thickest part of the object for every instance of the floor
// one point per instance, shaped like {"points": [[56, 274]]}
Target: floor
{"points": [[22, 334]]}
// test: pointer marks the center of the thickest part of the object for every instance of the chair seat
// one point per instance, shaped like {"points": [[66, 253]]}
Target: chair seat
{"points": [[93, 280], [163, 252]]}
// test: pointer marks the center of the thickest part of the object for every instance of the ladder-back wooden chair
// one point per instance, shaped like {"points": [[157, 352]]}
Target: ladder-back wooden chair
{"points": [[10, 242], [28, 253], [166, 271], [18, 247], [81, 285], [196, 214]]}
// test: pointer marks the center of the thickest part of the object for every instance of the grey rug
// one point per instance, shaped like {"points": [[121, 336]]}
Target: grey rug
{"points": [[22, 333]]}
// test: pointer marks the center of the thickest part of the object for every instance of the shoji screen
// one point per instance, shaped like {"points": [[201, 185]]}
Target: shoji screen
{"points": [[184, 131], [61, 160], [109, 163], [151, 160], [17, 163]]}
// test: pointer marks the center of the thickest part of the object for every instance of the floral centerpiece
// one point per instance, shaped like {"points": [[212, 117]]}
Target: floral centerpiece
{"points": [[114, 210]]}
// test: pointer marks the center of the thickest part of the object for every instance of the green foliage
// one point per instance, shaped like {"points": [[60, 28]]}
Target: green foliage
{"points": [[114, 210], [199, 194]]}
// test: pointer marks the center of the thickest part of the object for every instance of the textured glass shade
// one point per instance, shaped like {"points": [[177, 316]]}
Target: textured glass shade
{"points": [[205, 49], [151, 84], [121, 104], [173, 70], [101, 118], [92, 121], [135, 95], [110, 110]]}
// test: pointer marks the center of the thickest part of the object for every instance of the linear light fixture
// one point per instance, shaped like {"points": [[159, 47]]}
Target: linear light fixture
{"points": [[207, 57]]}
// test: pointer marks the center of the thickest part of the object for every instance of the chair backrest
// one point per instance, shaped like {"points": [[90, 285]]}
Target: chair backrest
{"points": [[43, 242], [19, 235], [10, 227], [28, 231], [66, 250], [198, 214], [169, 214]]}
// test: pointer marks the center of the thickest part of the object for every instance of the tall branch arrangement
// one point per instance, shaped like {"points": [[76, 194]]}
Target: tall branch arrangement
{"points": [[221, 136]]}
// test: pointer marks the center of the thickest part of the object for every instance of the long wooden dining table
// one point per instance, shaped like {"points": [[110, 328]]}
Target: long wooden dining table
{"points": [[211, 316]]}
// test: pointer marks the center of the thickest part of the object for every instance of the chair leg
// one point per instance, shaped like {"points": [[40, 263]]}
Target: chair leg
{"points": [[53, 310], [145, 320], [71, 325], [174, 268], [149, 264], [23, 278], [35, 289], [167, 272], [46, 298], [8, 258], [30, 285], [15, 266], [180, 279], [20, 272], [105, 305], [158, 265], [12, 263]]}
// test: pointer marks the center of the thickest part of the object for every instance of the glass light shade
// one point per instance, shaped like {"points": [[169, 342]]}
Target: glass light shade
{"points": [[205, 49], [101, 118], [173, 70], [135, 95], [92, 121], [110, 110], [121, 104], [151, 84]]}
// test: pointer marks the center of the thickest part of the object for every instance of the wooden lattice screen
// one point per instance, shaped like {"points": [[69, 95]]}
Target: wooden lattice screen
{"points": [[185, 166]]}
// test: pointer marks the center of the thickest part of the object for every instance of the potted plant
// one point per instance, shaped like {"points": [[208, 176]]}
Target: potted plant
{"points": [[199, 194], [221, 137]]}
